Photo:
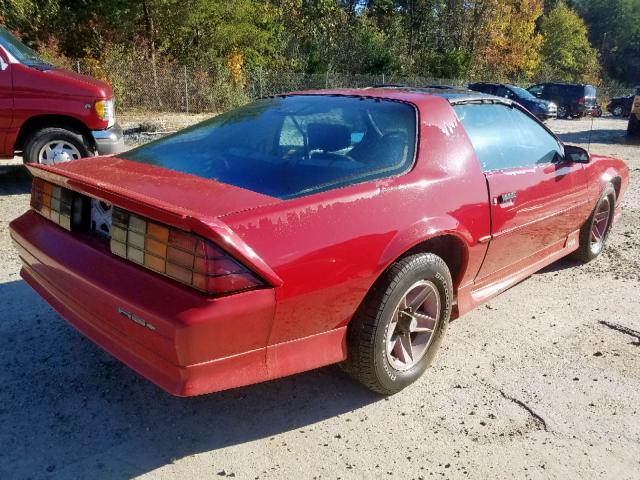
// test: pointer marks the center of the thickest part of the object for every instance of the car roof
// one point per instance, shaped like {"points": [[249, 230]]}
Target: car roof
{"points": [[565, 84], [409, 94], [499, 84]]}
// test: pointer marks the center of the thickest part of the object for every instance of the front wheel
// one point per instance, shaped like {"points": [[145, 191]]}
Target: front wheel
{"points": [[55, 145], [396, 332], [595, 231], [633, 127]]}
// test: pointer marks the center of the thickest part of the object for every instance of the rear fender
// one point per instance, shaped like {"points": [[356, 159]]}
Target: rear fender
{"points": [[425, 229]]}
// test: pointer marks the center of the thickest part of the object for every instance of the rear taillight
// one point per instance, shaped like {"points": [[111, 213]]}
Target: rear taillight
{"points": [[52, 201], [180, 255], [581, 100]]}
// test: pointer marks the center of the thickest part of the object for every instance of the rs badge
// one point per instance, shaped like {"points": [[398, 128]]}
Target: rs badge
{"points": [[135, 318]]}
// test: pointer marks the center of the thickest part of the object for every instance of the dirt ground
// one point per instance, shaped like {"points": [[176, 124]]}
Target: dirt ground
{"points": [[542, 382]]}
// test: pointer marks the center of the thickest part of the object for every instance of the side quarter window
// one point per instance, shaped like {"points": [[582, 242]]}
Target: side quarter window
{"points": [[537, 90], [504, 137], [503, 92], [490, 89]]}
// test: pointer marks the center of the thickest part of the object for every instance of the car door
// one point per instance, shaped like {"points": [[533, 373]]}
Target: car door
{"points": [[6, 102], [537, 197]]}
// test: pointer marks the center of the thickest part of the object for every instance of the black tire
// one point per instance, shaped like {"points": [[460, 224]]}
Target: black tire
{"points": [[618, 111], [367, 359], [40, 138], [563, 112], [633, 127], [586, 250]]}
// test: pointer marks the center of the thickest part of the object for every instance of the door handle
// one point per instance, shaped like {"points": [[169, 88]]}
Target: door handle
{"points": [[504, 198]]}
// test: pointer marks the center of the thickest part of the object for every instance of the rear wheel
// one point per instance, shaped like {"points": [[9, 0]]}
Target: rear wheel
{"points": [[595, 231], [563, 111], [617, 111], [55, 145], [395, 334]]}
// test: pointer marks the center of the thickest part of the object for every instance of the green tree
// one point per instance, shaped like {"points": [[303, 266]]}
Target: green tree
{"points": [[29, 18], [211, 31], [510, 45], [614, 28], [370, 49], [566, 51]]}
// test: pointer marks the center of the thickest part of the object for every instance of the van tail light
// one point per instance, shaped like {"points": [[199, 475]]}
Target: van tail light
{"points": [[52, 201], [180, 255], [581, 101]]}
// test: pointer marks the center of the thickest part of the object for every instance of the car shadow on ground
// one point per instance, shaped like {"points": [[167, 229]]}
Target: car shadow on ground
{"points": [[606, 137], [69, 410], [562, 264], [14, 180]]}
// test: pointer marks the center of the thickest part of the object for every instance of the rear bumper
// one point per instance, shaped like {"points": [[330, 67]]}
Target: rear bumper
{"points": [[584, 110], [109, 141], [196, 344]]}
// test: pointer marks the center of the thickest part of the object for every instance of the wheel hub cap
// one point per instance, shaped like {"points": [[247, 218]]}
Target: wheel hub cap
{"points": [[412, 325], [57, 151]]}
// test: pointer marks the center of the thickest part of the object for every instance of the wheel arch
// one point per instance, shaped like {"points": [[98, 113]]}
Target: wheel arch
{"points": [[614, 176], [617, 185], [38, 122], [444, 236], [450, 248]]}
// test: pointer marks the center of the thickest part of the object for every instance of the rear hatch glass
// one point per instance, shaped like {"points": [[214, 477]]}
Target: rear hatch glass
{"points": [[292, 146], [576, 92], [590, 94]]}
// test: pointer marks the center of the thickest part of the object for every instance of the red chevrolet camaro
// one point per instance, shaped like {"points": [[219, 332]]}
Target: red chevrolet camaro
{"points": [[308, 229]]}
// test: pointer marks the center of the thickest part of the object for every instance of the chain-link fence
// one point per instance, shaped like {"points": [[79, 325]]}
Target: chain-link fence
{"points": [[139, 87]]}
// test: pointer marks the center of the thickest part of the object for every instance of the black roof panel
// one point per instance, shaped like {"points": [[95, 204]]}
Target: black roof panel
{"points": [[452, 94]]}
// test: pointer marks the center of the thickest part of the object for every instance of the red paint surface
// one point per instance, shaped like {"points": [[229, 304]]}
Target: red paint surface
{"points": [[319, 254]]}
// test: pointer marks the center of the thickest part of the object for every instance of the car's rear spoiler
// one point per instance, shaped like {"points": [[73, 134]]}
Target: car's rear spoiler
{"points": [[208, 227]]}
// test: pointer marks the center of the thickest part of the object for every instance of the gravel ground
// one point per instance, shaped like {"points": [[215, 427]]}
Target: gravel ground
{"points": [[542, 382]]}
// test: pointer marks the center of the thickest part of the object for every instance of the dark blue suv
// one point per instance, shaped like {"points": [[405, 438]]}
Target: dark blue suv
{"points": [[542, 109]]}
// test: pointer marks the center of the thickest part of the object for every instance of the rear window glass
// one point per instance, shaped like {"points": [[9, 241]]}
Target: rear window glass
{"points": [[582, 90], [292, 146]]}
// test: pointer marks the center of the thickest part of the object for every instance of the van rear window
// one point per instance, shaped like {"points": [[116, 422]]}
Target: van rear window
{"points": [[292, 146]]}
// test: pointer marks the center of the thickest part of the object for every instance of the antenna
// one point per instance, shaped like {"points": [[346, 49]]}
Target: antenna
{"points": [[590, 132]]}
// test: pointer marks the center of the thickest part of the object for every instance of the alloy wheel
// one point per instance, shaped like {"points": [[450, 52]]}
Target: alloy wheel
{"points": [[562, 111], [412, 325], [600, 225]]}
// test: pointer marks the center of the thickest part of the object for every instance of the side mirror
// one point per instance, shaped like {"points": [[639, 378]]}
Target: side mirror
{"points": [[575, 154]]}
